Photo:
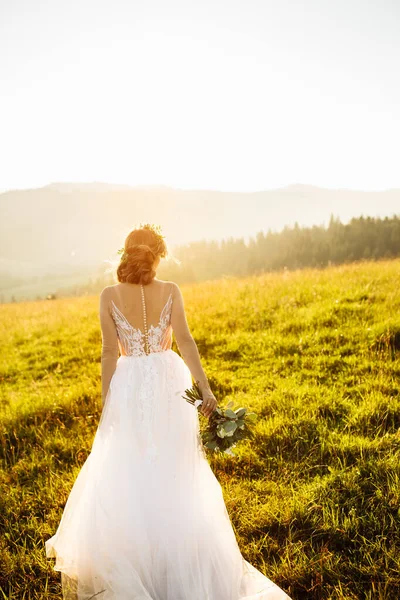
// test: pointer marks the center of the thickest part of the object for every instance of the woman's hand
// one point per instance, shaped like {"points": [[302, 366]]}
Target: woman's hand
{"points": [[209, 404]]}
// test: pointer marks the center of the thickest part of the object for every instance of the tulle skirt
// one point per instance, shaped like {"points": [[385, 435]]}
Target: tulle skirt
{"points": [[146, 518]]}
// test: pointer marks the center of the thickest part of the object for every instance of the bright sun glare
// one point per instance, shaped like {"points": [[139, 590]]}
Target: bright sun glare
{"points": [[120, 94]]}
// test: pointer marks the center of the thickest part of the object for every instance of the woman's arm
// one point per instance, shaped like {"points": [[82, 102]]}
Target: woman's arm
{"points": [[109, 347], [188, 348]]}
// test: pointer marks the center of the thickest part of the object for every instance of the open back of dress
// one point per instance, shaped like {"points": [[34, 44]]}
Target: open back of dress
{"points": [[127, 312]]}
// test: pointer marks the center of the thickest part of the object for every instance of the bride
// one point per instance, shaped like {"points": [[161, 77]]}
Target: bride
{"points": [[146, 518]]}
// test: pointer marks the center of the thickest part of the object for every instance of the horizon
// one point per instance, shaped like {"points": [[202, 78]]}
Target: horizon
{"points": [[127, 186]]}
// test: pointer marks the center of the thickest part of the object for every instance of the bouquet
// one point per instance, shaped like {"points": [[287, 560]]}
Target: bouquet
{"points": [[226, 426]]}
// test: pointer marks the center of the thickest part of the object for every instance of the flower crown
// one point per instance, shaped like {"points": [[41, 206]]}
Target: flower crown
{"points": [[154, 228]]}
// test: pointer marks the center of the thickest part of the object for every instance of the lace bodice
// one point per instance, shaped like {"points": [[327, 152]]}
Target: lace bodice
{"points": [[122, 332], [132, 340]]}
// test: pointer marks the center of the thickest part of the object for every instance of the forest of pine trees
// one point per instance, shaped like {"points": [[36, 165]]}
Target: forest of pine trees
{"points": [[363, 238]]}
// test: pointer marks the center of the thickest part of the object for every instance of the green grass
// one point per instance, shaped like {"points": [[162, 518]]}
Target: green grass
{"points": [[314, 500]]}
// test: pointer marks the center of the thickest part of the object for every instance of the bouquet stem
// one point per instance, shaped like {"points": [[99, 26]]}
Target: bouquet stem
{"points": [[226, 426]]}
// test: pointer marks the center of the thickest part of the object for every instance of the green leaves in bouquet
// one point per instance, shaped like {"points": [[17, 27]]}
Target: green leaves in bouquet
{"points": [[227, 426]]}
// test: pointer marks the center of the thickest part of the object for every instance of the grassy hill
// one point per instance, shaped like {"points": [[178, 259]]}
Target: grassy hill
{"points": [[315, 500]]}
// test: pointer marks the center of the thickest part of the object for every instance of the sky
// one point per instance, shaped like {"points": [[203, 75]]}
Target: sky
{"points": [[231, 95]]}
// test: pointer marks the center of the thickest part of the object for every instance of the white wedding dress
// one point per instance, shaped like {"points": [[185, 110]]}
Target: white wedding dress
{"points": [[146, 518]]}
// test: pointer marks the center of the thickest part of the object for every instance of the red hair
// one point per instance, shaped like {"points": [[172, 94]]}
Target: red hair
{"points": [[142, 246]]}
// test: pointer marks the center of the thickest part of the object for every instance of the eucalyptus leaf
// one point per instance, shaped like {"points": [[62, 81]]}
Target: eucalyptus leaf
{"points": [[240, 412], [230, 427], [211, 445], [221, 431], [230, 414]]}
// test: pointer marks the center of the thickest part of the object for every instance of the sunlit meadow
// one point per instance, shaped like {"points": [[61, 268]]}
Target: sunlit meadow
{"points": [[314, 500]]}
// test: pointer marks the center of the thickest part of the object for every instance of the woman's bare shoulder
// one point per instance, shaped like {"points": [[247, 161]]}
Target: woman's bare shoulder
{"points": [[106, 290], [169, 284]]}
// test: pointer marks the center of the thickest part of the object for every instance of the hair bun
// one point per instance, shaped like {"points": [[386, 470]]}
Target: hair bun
{"points": [[142, 252], [142, 247]]}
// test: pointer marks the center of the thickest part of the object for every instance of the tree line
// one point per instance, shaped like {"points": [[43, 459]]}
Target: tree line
{"points": [[362, 238]]}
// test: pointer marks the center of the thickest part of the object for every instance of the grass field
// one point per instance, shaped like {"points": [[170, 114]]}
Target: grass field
{"points": [[315, 500]]}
